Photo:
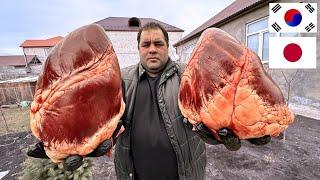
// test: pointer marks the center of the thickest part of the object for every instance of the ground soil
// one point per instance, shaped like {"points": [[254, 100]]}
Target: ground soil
{"points": [[298, 157], [14, 120]]}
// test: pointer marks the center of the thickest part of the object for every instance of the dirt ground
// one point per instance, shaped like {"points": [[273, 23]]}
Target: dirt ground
{"points": [[296, 158], [14, 120]]}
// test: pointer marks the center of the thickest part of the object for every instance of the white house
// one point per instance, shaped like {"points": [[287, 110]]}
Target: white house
{"points": [[123, 31], [40, 47]]}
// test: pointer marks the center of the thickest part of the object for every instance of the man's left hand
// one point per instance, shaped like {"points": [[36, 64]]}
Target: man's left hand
{"points": [[230, 141], [260, 141]]}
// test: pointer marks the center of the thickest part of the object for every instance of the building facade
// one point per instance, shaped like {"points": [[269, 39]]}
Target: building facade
{"points": [[41, 47], [123, 31], [247, 21]]}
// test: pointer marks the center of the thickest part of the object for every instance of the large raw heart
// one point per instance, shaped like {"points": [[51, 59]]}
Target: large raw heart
{"points": [[225, 86], [78, 100]]}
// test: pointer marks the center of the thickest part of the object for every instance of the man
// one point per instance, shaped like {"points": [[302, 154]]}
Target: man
{"points": [[158, 142]]}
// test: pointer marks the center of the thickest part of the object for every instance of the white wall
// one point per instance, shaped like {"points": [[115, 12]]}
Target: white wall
{"points": [[126, 46], [185, 50], [40, 52], [124, 43]]}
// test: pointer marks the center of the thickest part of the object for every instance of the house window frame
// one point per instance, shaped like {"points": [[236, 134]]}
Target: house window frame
{"points": [[278, 34], [260, 33], [188, 50]]}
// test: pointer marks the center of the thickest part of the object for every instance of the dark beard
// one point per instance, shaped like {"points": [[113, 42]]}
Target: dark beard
{"points": [[157, 71]]}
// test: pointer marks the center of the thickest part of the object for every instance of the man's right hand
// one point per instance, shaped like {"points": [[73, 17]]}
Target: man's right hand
{"points": [[260, 141], [228, 139]]}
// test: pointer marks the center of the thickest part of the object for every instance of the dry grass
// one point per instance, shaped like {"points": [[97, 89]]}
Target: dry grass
{"points": [[17, 120]]}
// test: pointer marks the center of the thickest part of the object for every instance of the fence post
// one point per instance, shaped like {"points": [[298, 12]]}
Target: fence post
{"points": [[4, 119]]}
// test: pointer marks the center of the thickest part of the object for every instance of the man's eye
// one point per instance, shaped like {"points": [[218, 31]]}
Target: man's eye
{"points": [[159, 44], [145, 45]]}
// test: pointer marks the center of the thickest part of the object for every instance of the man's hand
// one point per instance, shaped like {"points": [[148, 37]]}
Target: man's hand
{"points": [[230, 141], [37, 151], [73, 162], [205, 134], [260, 141], [106, 145]]}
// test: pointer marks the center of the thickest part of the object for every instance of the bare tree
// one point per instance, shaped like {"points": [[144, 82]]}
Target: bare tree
{"points": [[289, 83]]}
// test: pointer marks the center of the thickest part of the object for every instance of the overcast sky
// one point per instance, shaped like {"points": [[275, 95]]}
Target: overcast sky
{"points": [[39, 19]]}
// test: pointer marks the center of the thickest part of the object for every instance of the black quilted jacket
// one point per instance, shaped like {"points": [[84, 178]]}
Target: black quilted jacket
{"points": [[189, 148]]}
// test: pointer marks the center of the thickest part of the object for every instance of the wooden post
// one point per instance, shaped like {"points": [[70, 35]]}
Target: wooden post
{"points": [[4, 119], [27, 67]]}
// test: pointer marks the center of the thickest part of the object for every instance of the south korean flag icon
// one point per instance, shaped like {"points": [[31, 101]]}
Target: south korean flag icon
{"points": [[292, 53], [293, 17]]}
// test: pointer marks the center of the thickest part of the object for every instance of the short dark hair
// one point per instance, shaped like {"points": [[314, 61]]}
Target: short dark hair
{"points": [[153, 25]]}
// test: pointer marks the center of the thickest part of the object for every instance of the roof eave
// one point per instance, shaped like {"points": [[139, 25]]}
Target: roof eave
{"points": [[24, 46], [137, 30], [228, 19]]}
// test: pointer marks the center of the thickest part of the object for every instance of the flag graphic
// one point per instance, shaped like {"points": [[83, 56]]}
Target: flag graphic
{"points": [[276, 27], [276, 8], [310, 8], [293, 17], [310, 27], [292, 53]]}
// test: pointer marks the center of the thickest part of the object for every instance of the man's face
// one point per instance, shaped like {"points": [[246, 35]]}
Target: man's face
{"points": [[153, 51]]}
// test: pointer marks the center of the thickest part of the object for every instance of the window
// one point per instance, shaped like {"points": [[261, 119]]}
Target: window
{"points": [[35, 60], [187, 52], [257, 38], [134, 22]]}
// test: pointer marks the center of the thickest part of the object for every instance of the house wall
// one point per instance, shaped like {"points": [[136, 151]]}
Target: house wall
{"points": [[41, 52], [126, 46], [305, 86], [184, 51]]}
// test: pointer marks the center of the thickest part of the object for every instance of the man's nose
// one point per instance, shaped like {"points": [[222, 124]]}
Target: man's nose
{"points": [[152, 49]]}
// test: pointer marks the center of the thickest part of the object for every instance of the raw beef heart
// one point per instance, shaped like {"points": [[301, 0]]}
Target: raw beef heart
{"points": [[225, 86], [78, 99]]}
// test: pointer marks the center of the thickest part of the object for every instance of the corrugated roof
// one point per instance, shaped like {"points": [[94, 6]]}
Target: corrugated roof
{"points": [[122, 24], [17, 60], [232, 11], [42, 42]]}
